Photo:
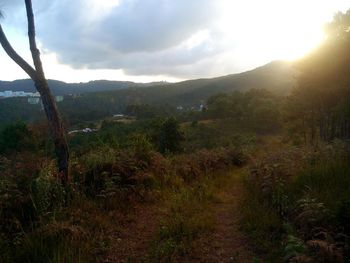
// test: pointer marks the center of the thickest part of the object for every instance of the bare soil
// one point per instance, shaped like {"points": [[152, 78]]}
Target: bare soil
{"points": [[132, 244], [226, 243]]}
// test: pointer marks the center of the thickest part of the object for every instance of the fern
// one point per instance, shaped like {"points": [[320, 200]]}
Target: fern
{"points": [[293, 248], [327, 252]]}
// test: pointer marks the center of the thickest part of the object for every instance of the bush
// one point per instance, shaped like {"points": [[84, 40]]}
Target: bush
{"points": [[191, 166], [308, 189], [14, 137], [170, 136]]}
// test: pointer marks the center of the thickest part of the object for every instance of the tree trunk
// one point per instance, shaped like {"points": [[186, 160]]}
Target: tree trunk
{"points": [[313, 129], [304, 129], [56, 128], [41, 84]]}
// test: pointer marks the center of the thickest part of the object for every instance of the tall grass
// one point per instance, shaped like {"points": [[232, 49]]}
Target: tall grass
{"points": [[328, 181], [188, 216], [40, 222], [311, 194]]}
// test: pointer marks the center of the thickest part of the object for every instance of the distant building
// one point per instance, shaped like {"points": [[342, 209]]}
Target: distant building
{"points": [[179, 108], [8, 93], [34, 94], [12, 94], [59, 98], [33, 100]]}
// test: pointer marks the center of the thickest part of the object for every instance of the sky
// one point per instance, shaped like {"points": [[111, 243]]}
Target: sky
{"points": [[163, 40]]}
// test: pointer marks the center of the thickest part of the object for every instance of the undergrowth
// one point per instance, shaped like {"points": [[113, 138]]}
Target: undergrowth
{"points": [[41, 221], [296, 204], [188, 217]]}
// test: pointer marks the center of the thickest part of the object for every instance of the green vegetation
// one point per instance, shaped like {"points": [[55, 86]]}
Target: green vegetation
{"points": [[302, 198], [15, 137], [159, 183], [189, 216], [296, 204], [43, 221], [150, 101]]}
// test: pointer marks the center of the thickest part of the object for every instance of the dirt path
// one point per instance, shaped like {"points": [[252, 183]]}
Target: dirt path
{"points": [[226, 243], [132, 244]]}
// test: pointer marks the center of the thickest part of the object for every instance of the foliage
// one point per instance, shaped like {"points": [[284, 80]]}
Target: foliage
{"points": [[311, 200], [14, 137], [296, 200], [47, 192], [276, 77], [146, 111], [184, 223], [257, 110], [170, 136], [318, 108], [29, 199]]}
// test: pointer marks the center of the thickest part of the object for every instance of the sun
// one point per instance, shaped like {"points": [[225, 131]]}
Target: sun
{"points": [[275, 29]]}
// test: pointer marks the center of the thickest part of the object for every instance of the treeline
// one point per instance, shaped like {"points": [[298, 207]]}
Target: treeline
{"points": [[297, 203], [276, 77], [319, 107], [255, 110]]}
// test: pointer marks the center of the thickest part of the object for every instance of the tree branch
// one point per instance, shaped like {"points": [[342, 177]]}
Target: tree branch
{"points": [[41, 84], [15, 57], [32, 42]]}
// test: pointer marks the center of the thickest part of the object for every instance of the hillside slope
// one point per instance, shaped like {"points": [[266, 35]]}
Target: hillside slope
{"points": [[63, 88], [278, 77]]}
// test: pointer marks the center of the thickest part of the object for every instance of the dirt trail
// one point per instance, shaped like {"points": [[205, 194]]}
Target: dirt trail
{"points": [[226, 243], [133, 243]]}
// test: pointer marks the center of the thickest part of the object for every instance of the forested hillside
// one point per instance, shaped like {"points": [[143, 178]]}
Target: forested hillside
{"points": [[277, 77], [63, 88]]}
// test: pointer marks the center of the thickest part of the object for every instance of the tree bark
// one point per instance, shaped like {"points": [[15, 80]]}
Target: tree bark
{"points": [[41, 84]]}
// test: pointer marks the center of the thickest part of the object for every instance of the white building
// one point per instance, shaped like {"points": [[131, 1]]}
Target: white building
{"points": [[8, 93], [11, 94], [59, 98], [33, 100]]}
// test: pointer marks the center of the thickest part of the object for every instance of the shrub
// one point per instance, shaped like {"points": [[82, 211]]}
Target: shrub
{"points": [[15, 137], [191, 166], [308, 188], [170, 136]]}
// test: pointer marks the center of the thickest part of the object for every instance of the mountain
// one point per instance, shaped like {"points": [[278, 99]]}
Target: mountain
{"points": [[277, 77], [63, 88], [100, 99]]}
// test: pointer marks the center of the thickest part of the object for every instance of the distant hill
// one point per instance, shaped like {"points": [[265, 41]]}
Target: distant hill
{"points": [[63, 88], [100, 99], [277, 77]]}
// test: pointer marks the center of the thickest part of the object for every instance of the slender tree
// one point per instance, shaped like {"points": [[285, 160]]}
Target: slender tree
{"points": [[41, 84]]}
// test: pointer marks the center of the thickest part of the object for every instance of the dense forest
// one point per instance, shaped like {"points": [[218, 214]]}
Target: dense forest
{"points": [[252, 168]]}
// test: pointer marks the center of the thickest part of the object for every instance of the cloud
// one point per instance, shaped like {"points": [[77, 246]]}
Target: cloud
{"points": [[177, 38], [138, 36]]}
